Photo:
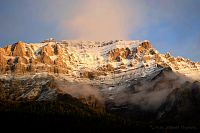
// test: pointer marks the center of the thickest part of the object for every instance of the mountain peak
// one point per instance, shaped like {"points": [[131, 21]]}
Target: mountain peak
{"points": [[118, 76], [79, 58]]}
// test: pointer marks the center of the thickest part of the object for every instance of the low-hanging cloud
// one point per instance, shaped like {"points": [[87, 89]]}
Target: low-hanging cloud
{"points": [[80, 90], [150, 95]]}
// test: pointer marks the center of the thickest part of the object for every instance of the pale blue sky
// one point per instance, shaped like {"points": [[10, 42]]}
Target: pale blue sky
{"points": [[171, 25]]}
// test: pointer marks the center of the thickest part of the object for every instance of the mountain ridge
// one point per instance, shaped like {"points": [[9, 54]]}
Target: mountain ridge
{"points": [[79, 57], [89, 63], [130, 79]]}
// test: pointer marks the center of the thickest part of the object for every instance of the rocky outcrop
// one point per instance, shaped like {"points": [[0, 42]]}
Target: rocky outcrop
{"points": [[119, 54], [19, 49], [48, 50], [146, 45], [21, 58], [58, 50], [3, 61], [46, 59], [8, 51]]}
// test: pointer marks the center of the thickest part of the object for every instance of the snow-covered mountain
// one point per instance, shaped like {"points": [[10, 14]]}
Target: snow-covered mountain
{"points": [[110, 74], [96, 60]]}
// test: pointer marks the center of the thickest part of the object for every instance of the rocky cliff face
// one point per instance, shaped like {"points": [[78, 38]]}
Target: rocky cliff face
{"points": [[98, 73], [21, 58], [78, 58]]}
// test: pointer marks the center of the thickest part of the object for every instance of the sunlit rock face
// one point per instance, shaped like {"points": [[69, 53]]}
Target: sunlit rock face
{"points": [[114, 72], [80, 57]]}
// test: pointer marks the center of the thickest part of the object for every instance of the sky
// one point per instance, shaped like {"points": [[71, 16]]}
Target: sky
{"points": [[170, 25]]}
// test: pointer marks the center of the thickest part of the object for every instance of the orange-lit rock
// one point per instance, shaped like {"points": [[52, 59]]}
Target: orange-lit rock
{"points": [[19, 49], [48, 50], [29, 52], [23, 60], [8, 51], [46, 59], [146, 58], [146, 45]]}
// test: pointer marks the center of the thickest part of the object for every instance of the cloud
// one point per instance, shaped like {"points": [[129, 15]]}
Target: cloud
{"points": [[150, 95], [117, 19], [96, 19], [79, 90]]}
